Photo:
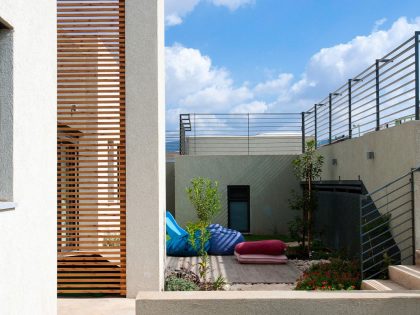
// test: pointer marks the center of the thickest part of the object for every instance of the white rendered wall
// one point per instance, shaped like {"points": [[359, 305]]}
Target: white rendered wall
{"points": [[242, 145], [145, 145], [28, 248]]}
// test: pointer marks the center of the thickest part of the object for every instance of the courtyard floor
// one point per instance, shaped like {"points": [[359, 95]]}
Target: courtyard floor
{"points": [[238, 275], [97, 306]]}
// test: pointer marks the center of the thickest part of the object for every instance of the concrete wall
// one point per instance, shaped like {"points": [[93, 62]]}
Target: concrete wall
{"points": [[396, 150], [28, 255], [270, 178], [145, 145], [170, 187], [277, 303], [241, 145]]}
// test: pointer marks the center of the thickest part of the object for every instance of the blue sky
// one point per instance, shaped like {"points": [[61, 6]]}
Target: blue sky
{"points": [[273, 55]]}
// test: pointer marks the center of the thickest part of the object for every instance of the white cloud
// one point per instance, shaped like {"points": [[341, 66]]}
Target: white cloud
{"points": [[378, 24], [330, 67], [194, 84], [253, 107], [176, 10], [232, 4]]}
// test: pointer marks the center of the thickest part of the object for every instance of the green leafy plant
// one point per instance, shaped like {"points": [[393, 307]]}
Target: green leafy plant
{"points": [[308, 167], [297, 225], [335, 275], [173, 283], [111, 240], [219, 283], [205, 197]]}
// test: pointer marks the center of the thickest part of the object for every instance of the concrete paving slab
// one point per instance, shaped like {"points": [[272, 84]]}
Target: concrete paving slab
{"points": [[98, 306], [234, 272]]}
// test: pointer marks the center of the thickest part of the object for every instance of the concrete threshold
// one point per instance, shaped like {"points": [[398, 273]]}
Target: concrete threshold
{"points": [[277, 302]]}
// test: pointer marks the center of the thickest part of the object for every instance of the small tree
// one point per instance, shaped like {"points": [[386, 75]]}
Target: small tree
{"points": [[308, 167], [204, 196]]}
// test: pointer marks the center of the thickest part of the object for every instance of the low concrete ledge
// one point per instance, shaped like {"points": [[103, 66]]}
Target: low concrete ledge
{"points": [[277, 302]]}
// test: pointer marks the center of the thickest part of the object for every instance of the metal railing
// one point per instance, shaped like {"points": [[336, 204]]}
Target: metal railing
{"points": [[387, 235], [240, 134], [383, 95]]}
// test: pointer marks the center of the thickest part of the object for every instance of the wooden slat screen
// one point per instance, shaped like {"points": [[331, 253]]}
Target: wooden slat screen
{"points": [[91, 212]]}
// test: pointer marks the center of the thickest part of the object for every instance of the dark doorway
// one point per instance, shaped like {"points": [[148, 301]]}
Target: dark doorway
{"points": [[239, 208]]}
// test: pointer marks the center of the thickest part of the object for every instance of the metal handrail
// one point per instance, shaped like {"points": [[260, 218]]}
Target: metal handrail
{"points": [[387, 225], [391, 76]]}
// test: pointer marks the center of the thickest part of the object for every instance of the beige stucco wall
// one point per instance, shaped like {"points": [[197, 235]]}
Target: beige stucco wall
{"points": [[28, 248], [241, 145], [145, 82], [277, 303], [270, 178], [396, 149]]}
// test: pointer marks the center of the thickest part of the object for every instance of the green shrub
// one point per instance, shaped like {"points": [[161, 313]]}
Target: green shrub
{"points": [[337, 275], [173, 283], [205, 197]]}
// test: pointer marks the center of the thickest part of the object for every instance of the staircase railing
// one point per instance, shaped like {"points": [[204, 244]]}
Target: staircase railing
{"points": [[387, 235]]}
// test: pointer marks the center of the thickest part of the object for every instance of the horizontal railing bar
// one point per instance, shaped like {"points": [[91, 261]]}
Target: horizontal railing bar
{"points": [[398, 63], [397, 80], [398, 47], [381, 225], [401, 110], [396, 72], [354, 95], [381, 262], [385, 250], [394, 227], [398, 87], [382, 197], [393, 237]]}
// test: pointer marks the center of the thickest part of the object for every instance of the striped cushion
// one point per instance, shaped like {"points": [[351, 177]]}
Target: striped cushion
{"points": [[261, 259]]}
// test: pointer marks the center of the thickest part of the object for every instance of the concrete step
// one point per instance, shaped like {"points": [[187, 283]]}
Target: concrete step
{"points": [[418, 257], [406, 276], [382, 285]]}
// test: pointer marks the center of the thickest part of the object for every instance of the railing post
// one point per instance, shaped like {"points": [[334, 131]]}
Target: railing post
{"points": [[316, 125], [361, 234], [378, 122], [195, 136], [180, 136], [349, 94], [248, 133], [417, 82], [330, 117], [413, 212], [303, 132]]}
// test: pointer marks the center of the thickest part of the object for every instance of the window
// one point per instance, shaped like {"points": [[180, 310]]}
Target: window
{"points": [[6, 116], [239, 208]]}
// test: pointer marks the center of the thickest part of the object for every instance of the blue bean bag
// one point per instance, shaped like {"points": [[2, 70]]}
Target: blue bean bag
{"points": [[223, 240], [178, 243]]}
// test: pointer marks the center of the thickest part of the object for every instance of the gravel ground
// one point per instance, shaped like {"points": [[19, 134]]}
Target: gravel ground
{"points": [[303, 265]]}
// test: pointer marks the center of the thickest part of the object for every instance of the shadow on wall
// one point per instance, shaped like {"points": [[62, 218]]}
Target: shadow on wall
{"points": [[270, 178]]}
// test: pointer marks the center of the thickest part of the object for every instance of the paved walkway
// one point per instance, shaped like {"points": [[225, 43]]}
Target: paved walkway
{"points": [[99, 306], [234, 272], [240, 277]]}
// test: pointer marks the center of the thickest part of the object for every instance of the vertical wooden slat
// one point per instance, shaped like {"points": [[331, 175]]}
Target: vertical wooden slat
{"points": [[91, 150]]}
